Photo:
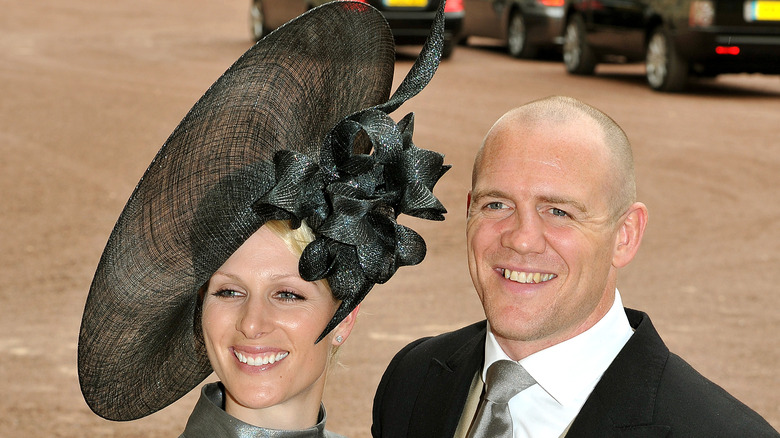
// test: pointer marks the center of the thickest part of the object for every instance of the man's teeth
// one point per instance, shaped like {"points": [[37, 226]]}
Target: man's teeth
{"points": [[527, 277], [260, 360]]}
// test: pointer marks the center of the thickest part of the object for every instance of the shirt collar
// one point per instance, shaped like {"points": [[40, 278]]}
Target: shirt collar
{"points": [[569, 371]]}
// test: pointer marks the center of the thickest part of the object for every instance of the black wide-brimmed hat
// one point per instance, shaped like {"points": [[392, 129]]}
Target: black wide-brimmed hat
{"points": [[297, 129]]}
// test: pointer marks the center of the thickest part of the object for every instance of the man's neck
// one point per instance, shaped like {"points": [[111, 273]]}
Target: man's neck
{"points": [[519, 349]]}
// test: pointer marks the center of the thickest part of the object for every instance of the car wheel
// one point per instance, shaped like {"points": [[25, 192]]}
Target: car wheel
{"points": [[578, 57], [256, 20], [517, 37], [665, 69]]}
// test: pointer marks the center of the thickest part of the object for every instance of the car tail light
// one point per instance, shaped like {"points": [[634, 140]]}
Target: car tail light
{"points": [[701, 13], [727, 50], [361, 1], [453, 6], [585, 5], [550, 3]]}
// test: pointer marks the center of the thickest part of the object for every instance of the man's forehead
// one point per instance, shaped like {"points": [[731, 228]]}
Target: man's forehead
{"points": [[551, 142], [554, 150]]}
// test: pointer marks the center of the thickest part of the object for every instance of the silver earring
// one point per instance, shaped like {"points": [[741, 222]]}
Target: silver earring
{"points": [[339, 339]]}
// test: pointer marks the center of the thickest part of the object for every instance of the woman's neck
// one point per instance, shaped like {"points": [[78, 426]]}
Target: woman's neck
{"points": [[290, 415]]}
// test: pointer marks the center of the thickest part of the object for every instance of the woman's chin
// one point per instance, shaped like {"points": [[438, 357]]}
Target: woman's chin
{"points": [[246, 400]]}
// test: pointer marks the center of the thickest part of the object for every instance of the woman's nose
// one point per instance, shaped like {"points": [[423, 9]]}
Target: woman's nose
{"points": [[524, 233], [254, 320]]}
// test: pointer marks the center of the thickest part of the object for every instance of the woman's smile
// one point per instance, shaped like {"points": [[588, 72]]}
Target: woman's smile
{"points": [[260, 359]]}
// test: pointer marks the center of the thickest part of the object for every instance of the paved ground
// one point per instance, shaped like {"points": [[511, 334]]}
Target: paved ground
{"points": [[90, 90]]}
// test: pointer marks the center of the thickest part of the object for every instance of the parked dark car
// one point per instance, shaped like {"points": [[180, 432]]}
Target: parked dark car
{"points": [[675, 38], [410, 20], [525, 26]]}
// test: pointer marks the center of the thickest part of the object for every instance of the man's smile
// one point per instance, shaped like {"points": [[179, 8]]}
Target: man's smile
{"points": [[527, 277]]}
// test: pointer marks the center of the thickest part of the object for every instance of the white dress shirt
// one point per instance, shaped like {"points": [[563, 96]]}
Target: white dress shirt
{"points": [[565, 374]]}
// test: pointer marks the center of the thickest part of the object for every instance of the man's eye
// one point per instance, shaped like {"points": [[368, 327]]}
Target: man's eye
{"points": [[494, 206], [558, 212]]}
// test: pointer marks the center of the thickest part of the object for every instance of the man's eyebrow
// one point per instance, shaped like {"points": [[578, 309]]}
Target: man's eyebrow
{"points": [[489, 194], [550, 199], [564, 201]]}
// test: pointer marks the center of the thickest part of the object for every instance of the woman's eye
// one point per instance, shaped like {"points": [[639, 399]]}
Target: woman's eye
{"points": [[288, 296], [226, 293]]}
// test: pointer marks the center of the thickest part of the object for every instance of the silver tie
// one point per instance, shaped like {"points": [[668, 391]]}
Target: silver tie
{"points": [[503, 381]]}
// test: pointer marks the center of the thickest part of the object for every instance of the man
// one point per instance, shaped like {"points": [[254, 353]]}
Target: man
{"points": [[552, 217]]}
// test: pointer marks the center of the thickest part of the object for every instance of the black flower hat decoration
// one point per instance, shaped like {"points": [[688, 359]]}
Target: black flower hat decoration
{"points": [[297, 129]]}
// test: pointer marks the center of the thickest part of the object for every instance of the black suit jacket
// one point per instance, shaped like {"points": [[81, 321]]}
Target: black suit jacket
{"points": [[646, 392]]}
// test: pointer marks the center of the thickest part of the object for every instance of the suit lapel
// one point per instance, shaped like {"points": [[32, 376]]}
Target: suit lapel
{"points": [[623, 402], [445, 388], [621, 405]]}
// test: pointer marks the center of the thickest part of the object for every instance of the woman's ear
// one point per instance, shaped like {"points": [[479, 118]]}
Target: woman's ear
{"points": [[344, 328], [629, 235]]}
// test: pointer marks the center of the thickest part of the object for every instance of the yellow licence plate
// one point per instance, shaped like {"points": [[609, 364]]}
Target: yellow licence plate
{"points": [[762, 10], [406, 3]]}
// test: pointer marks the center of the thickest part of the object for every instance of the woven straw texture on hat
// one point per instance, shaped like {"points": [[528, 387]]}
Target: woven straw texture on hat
{"points": [[138, 349]]}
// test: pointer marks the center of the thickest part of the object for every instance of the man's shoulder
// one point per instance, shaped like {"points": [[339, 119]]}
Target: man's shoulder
{"points": [[681, 396], [448, 338], [443, 344], [705, 404], [464, 342], [422, 371]]}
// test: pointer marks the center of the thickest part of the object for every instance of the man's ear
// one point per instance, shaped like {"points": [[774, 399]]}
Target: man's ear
{"points": [[629, 235], [344, 328]]}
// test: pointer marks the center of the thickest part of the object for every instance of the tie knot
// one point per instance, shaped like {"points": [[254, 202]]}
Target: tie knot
{"points": [[504, 379]]}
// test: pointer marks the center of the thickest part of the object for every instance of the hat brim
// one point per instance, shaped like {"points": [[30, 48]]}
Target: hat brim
{"points": [[138, 346]]}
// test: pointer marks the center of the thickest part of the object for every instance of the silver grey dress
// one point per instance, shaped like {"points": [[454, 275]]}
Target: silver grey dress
{"points": [[209, 420]]}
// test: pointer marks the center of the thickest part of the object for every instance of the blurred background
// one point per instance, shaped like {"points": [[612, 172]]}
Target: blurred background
{"points": [[91, 90]]}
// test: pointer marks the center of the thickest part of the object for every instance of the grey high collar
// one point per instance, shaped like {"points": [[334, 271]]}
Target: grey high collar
{"points": [[209, 420]]}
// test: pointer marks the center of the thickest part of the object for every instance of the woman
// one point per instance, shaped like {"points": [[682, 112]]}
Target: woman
{"points": [[259, 227], [259, 327]]}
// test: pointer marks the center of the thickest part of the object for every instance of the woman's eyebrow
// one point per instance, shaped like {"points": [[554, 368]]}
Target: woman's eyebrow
{"points": [[226, 274], [268, 276]]}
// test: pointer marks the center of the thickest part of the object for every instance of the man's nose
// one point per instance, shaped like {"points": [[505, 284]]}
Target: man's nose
{"points": [[523, 232]]}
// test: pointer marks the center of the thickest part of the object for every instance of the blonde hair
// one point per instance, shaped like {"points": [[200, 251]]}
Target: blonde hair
{"points": [[296, 240]]}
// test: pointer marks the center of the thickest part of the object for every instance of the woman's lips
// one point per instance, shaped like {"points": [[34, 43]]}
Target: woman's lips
{"points": [[260, 359]]}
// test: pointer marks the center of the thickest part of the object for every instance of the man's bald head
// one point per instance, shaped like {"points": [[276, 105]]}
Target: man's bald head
{"points": [[562, 110]]}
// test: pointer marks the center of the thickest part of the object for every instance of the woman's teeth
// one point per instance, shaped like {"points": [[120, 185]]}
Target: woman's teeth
{"points": [[527, 277], [264, 359]]}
